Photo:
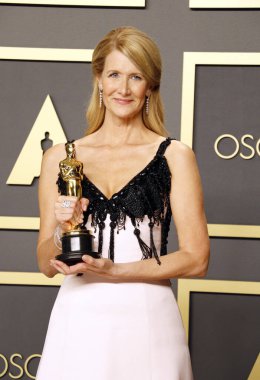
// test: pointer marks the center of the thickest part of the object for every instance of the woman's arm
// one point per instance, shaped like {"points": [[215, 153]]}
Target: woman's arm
{"points": [[48, 193], [51, 212], [191, 260]]}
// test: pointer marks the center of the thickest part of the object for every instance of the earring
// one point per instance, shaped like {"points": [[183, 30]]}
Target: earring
{"points": [[147, 105], [100, 97]]}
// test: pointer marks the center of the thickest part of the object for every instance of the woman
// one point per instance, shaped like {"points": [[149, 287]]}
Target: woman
{"points": [[119, 320]]}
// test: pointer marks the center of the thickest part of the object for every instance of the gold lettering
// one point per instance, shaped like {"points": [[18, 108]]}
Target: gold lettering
{"points": [[225, 136], [16, 365], [244, 143], [27, 363], [5, 364], [257, 147], [248, 146], [28, 163]]}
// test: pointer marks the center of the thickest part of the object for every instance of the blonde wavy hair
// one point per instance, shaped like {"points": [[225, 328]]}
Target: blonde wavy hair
{"points": [[144, 53]]}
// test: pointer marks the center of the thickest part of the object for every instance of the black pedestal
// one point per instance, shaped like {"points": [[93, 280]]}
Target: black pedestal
{"points": [[75, 244]]}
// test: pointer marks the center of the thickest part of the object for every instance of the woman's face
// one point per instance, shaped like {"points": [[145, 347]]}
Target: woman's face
{"points": [[124, 87]]}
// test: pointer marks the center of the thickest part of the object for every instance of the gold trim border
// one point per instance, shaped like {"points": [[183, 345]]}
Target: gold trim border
{"points": [[45, 54], [190, 61], [37, 54], [224, 4], [187, 286], [29, 278], [81, 3], [215, 230], [19, 223], [234, 231]]}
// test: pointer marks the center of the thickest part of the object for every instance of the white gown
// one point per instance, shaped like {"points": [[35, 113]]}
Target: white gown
{"points": [[109, 330]]}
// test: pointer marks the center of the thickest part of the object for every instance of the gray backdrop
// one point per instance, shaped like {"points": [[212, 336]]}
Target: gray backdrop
{"points": [[224, 329]]}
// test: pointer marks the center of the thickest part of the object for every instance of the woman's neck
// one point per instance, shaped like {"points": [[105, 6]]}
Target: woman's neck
{"points": [[115, 131]]}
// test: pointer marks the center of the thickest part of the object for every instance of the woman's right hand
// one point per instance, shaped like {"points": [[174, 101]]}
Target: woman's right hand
{"points": [[69, 211]]}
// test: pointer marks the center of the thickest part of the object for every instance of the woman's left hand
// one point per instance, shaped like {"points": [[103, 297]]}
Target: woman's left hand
{"points": [[102, 267]]}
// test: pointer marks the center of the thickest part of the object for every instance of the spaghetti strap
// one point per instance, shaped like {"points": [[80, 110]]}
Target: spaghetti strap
{"points": [[164, 144]]}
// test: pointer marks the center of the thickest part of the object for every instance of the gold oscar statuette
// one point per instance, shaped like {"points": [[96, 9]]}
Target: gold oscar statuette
{"points": [[78, 241]]}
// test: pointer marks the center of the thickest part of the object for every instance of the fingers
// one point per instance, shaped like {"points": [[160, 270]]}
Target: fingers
{"points": [[64, 208], [77, 216], [67, 270], [68, 208], [102, 267], [84, 203], [66, 203], [59, 266], [91, 261]]}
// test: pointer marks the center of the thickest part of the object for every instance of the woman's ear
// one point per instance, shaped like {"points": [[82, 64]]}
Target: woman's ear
{"points": [[148, 92], [100, 87]]}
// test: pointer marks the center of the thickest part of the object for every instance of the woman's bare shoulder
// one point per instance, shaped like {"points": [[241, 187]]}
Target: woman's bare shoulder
{"points": [[181, 160], [177, 150], [54, 155], [86, 140]]}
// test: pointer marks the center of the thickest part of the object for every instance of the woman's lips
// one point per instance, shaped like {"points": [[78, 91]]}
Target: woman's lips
{"points": [[122, 101]]}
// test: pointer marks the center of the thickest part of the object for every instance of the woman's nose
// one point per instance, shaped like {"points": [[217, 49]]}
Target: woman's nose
{"points": [[124, 86]]}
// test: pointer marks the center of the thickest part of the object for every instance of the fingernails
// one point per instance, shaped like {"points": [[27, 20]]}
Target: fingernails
{"points": [[88, 259], [52, 263]]}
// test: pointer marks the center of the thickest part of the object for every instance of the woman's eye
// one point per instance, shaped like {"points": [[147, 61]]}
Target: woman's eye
{"points": [[136, 77], [113, 75]]}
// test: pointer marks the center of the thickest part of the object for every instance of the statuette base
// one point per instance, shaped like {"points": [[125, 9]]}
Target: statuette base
{"points": [[75, 244], [72, 258]]}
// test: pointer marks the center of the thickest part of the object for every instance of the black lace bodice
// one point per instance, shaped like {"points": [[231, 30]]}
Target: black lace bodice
{"points": [[147, 193]]}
